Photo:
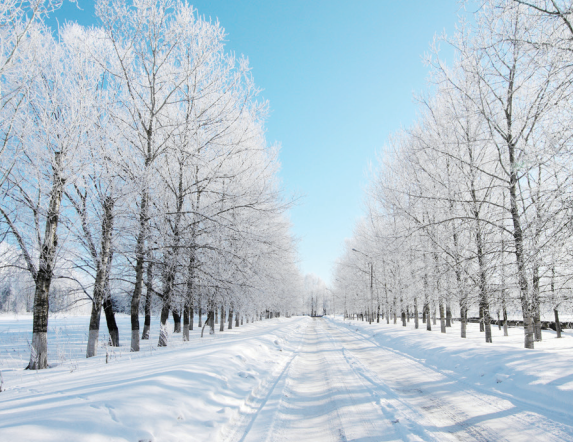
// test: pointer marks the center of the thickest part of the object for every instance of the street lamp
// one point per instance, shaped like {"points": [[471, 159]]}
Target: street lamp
{"points": [[371, 283]]}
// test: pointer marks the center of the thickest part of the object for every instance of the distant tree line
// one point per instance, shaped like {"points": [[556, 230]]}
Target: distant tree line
{"points": [[470, 209]]}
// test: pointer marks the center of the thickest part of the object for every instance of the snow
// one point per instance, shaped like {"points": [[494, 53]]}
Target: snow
{"points": [[296, 379]]}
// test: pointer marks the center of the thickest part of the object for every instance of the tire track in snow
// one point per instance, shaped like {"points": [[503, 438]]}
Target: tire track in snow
{"points": [[298, 385], [403, 417], [239, 427], [317, 397], [465, 425], [436, 410]]}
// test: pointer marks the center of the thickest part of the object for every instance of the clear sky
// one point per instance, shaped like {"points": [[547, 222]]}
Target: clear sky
{"points": [[340, 78]]}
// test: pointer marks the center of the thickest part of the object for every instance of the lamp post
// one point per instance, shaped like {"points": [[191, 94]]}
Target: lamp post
{"points": [[371, 284]]}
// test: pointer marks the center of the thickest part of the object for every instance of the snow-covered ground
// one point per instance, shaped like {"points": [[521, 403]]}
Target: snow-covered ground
{"points": [[297, 379]]}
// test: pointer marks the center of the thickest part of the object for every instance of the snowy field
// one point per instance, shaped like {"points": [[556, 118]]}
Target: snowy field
{"points": [[297, 379]]}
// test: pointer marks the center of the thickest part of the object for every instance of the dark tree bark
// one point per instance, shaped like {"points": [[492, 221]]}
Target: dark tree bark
{"points": [[176, 320], [149, 293], [448, 313], [163, 332], [557, 323], [102, 271], [463, 318], [43, 277], [211, 320], [186, 312], [442, 316], [535, 302], [416, 320], [505, 332], [139, 261], [110, 320], [207, 321]]}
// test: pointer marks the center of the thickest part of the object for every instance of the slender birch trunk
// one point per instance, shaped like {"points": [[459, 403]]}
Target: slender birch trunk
{"points": [[148, 294], [416, 320], [186, 313], [102, 271], [139, 262]]}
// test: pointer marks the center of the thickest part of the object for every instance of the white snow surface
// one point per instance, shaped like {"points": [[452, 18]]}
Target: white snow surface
{"points": [[296, 379]]}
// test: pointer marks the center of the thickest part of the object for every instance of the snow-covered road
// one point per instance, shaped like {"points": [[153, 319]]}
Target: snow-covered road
{"points": [[289, 379], [341, 386]]}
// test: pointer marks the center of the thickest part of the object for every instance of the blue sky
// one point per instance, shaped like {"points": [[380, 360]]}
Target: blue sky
{"points": [[340, 78]]}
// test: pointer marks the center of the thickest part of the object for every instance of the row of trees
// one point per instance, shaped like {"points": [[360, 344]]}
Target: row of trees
{"points": [[471, 207], [135, 168]]}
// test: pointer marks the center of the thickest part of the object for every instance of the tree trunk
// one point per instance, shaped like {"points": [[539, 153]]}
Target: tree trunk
{"points": [[518, 242], [528, 331], [99, 295], [176, 321], [230, 326], [505, 333], [237, 319], [222, 326], [148, 294], [428, 320], [163, 332], [442, 317], [139, 261], [211, 321], [536, 305], [416, 320], [557, 323], [43, 277], [94, 329], [463, 320], [200, 313], [186, 322], [448, 313], [101, 278], [110, 320], [487, 323], [191, 317], [208, 320]]}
